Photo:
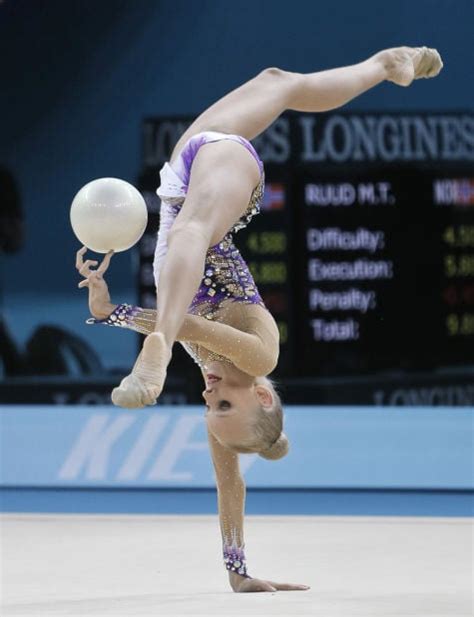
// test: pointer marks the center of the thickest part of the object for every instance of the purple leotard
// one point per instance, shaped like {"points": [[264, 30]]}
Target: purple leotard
{"points": [[226, 275]]}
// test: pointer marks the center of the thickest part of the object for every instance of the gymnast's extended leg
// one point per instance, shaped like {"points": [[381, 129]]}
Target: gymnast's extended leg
{"points": [[251, 108]]}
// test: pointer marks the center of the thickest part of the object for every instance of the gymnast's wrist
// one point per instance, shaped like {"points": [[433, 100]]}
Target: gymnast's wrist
{"points": [[237, 581], [129, 316], [235, 563], [103, 311]]}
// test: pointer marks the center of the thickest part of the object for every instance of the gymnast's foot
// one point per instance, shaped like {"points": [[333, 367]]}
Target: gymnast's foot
{"points": [[404, 64], [145, 383], [131, 393]]}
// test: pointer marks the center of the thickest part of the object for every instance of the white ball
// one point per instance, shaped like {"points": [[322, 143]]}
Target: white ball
{"points": [[108, 213]]}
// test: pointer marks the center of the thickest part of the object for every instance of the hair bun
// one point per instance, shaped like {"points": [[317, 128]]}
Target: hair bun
{"points": [[278, 450]]}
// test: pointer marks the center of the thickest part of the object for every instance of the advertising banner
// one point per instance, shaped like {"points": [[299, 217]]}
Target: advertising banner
{"points": [[330, 447]]}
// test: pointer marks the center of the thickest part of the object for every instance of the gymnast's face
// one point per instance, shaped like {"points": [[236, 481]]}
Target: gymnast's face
{"points": [[232, 400]]}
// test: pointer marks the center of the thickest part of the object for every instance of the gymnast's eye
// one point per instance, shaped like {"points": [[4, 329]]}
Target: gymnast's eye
{"points": [[224, 405]]}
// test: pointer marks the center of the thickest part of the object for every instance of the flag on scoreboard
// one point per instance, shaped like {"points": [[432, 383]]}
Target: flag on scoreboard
{"points": [[454, 192], [274, 196], [464, 192]]}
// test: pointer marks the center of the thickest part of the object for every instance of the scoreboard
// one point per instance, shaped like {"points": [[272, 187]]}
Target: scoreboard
{"points": [[364, 248], [387, 258]]}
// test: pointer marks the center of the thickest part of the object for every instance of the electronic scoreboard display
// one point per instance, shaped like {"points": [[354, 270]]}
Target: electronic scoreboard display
{"points": [[364, 248]]}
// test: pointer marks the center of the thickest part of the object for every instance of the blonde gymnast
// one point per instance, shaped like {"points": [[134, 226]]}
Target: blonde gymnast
{"points": [[210, 189]]}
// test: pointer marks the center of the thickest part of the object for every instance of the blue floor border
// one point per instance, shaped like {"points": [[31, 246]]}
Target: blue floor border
{"points": [[291, 501]]}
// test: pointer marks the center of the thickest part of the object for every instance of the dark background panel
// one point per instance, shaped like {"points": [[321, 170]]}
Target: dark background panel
{"points": [[81, 76], [78, 80]]}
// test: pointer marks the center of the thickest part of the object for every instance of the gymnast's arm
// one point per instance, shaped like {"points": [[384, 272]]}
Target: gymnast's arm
{"points": [[103, 309], [231, 503], [231, 494], [255, 353]]}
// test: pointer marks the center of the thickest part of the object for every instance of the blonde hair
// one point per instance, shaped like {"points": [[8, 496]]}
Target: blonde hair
{"points": [[270, 442]]}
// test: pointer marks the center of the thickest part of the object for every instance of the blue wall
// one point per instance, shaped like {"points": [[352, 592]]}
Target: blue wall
{"points": [[342, 460], [80, 76], [331, 447]]}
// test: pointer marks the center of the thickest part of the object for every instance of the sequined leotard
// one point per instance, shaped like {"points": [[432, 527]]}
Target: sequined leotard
{"points": [[226, 276]]}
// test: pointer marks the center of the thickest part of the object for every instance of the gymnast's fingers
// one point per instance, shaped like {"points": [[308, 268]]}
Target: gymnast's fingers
{"points": [[259, 585], [250, 585], [85, 270], [105, 263], [79, 254], [289, 586], [84, 283]]}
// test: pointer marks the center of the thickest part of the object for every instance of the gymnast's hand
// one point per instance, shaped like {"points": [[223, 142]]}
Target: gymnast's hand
{"points": [[99, 296], [241, 584]]}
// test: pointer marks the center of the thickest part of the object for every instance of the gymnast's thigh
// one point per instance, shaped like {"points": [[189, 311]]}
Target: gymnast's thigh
{"points": [[223, 177]]}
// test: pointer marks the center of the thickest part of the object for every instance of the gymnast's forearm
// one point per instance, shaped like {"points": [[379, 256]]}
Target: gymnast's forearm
{"points": [[143, 320], [231, 502]]}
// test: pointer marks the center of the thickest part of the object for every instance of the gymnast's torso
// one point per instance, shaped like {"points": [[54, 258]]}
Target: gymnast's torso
{"points": [[227, 292]]}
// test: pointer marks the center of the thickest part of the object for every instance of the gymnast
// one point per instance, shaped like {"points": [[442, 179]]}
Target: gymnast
{"points": [[206, 296]]}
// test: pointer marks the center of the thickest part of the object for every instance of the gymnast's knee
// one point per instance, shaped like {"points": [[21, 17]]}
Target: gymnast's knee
{"points": [[273, 72], [285, 82]]}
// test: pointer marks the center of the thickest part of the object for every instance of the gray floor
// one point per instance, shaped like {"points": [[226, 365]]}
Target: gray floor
{"points": [[170, 565]]}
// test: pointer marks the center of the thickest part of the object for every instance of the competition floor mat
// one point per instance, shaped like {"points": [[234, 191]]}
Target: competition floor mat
{"points": [[98, 565]]}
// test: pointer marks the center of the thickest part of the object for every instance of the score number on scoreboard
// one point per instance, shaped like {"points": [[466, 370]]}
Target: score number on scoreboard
{"points": [[457, 195]]}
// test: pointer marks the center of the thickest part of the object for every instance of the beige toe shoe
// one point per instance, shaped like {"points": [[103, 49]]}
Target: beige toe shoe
{"points": [[404, 64], [131, 394], [427, 63]]}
